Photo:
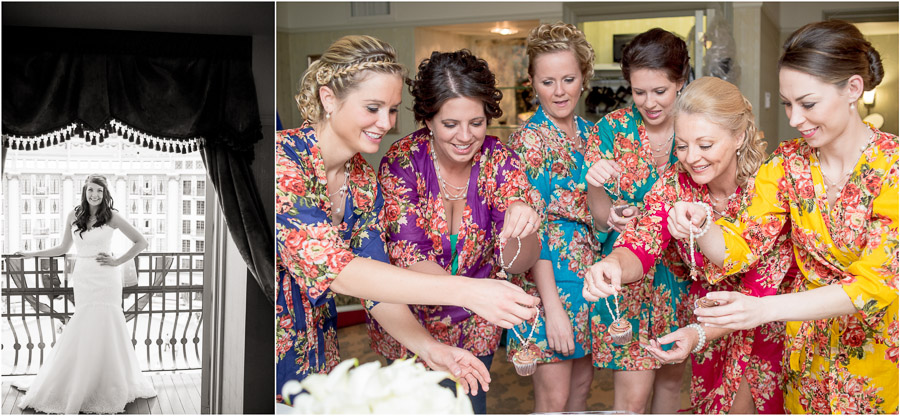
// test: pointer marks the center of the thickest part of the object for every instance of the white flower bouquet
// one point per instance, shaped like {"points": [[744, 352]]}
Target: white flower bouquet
{"points": [[405, 387]]}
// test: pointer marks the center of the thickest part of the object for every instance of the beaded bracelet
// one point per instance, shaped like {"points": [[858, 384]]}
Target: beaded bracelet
{"points": [[702, 333], [708, 222]]}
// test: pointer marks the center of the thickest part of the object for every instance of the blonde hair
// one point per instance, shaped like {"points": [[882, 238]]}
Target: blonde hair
{"points": [[561, 37], [722, 103], [342, 67]]}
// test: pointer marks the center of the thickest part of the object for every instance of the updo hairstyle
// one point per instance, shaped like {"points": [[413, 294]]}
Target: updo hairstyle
{"points": [[657, 49], [548, 38], [447, 75], [833, 51]]}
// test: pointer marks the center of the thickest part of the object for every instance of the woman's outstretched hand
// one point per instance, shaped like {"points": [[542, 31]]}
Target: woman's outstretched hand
{"points": [[734, 311], [602, 280], [684, 340], [601, 172], [500, 302], [464, 366], [683, 216], [520, 221]]}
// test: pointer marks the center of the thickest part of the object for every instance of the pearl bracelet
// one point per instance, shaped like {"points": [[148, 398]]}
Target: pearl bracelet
{"points": [[708, 222], [702, 333]]}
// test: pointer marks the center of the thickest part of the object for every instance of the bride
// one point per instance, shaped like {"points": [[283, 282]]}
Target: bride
{"points": [[93, 367]]}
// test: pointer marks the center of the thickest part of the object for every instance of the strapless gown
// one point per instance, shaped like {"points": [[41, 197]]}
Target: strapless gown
{"points": [[93, 367]]}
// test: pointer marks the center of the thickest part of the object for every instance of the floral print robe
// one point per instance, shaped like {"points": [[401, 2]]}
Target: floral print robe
{"points": [[649, 304], [312, 251], [846, 364], [753, 354], [416, 230], [554, 168]]}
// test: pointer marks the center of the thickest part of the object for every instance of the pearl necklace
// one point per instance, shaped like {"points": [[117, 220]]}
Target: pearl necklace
{"points": [[717, 201], [664, 146], [842, 180], [343, 189], [459, 192]]}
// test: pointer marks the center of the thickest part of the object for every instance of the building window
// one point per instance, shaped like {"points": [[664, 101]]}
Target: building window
{"points": [[148, 187], [26, 207], [54, 206], [198, 263], [40, 206], [27, 245], [201, 226], [186, 246], [40, 243], [186, 187], [199, 246], [179, 164], [160, 226], [26, 186], [148, 209], [133, 186], [160, 244], [186, 207], [201, 207], [147, 225], [162, 207], [185, 226], [201, 188], [41, 186], [134, 208], [161, 187], [189, 164], [54, 186], [26, 226], [185, 263], [54, 227]]}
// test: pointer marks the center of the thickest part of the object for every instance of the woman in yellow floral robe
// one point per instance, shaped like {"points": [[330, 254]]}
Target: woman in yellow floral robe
{"points": [[842, 321]]}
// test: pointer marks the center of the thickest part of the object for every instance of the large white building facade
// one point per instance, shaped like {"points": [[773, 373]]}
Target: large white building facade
{"points": [[162, 194]]}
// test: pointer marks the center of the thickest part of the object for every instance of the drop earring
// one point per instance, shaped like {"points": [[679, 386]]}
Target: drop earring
{"points": [[328, 116]]}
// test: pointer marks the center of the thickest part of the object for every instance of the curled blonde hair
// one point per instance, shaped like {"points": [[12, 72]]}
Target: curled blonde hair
{"points": [[342, 67], [561, 37], [722, 103]]}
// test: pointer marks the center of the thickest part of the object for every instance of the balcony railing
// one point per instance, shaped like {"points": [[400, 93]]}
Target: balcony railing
{"points": [[164, 312]]}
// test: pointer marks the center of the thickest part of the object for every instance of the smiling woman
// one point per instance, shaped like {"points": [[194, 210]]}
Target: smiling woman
{"points": [[328, 231]]}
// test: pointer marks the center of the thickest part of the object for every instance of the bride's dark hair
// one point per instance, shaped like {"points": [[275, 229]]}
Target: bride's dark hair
{"points": [[83, 211]]}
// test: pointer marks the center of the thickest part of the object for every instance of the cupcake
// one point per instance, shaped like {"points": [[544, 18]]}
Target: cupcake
{"points": [[705, 302], [620, 331], [525, 361]]}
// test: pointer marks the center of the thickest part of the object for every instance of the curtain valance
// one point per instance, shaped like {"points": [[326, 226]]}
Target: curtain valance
{"points": [[161, 90]]}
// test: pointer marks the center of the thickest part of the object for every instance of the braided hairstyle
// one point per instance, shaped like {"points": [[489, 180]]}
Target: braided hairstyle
{"points": [[342, 67], [833, 51], [721, 103], [561, 37]]}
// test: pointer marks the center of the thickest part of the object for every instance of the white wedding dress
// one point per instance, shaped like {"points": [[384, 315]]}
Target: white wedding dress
{"points": [[93, 367]]}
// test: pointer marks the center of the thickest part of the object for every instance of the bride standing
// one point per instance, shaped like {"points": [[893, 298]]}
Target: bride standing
{"points": [[93, 367]]}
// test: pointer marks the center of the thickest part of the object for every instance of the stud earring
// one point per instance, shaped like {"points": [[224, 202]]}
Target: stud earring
{"points": [[852, 105], [328, 116], [739, 153]]}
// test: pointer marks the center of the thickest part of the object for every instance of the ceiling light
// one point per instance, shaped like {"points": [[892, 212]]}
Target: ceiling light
{"points": [[505, 31]]}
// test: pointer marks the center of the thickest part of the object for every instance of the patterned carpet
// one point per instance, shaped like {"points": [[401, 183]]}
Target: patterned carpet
{"points": [[509, 393]]}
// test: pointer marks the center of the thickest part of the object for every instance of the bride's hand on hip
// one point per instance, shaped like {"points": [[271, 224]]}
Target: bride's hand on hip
{"points": [[106, 259]]}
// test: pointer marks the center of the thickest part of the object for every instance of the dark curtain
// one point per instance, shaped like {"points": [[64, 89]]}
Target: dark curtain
{"points": [[165, 91]]}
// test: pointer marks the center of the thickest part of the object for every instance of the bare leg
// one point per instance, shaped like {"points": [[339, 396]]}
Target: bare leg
{"points": [[580, 384], [632, 389], [667, 388], [743, 400], [551, 386]]}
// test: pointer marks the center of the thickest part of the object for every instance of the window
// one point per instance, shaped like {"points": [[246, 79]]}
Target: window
{"points": [[147, 225], [161, 208], [26, 207], [133, 208], [148, 186], [199, 245], [27, 245], [201, 188], [40, 205], [161, 187], [41, 188], [186, 207], [179, 164], [189, 164], [133, 186], [198, 263], [186, 246], [26, 186], [186, 227], [54, 186], [201, 207], [26, 226], [160, 226], [148, 209], [40, 244], [185, 263], [160, 244], [54, 227], [186, 187], [201, 226], [54, 206]]}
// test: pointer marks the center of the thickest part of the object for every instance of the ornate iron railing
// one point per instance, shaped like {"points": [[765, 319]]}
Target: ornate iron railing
{"points": [[164, 312]]}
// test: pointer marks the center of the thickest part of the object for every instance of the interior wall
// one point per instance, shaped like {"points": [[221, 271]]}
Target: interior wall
{"points": [[600, 33], [768, 110]]}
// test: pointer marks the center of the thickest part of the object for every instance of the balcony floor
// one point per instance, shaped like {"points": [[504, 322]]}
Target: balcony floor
{"points": [[178, 392]]}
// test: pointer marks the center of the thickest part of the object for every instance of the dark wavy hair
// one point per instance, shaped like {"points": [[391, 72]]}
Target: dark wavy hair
{"points": [[660, 50], [449, 75], [83, 210], [833, 51]]}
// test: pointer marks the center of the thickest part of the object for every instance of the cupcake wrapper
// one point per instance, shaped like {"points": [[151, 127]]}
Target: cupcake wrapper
{"points": [[525, 369], [622, 338]]}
